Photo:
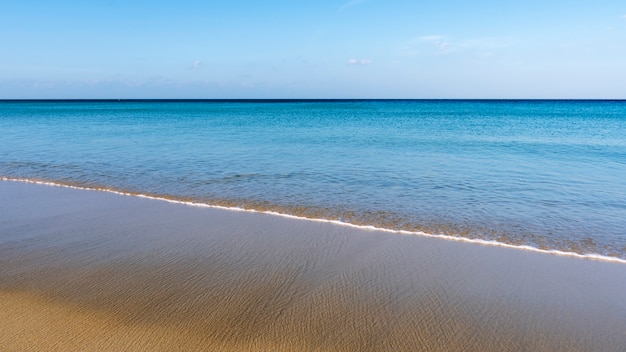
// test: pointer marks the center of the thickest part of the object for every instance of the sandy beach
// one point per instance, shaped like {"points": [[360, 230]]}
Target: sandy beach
{"points": [[87, 271]]}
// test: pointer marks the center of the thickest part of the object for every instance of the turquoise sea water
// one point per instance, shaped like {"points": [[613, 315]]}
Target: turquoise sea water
{"points": [[551, 174]]}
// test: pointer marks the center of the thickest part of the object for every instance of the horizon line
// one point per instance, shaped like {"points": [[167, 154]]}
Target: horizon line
{"points": [[292, 100]]}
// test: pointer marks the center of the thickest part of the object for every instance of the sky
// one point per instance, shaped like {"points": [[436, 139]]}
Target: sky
{"points": [[135, 49]]}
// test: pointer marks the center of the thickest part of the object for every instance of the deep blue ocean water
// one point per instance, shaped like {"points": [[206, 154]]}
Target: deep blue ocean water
{"points": [[551, 174]]}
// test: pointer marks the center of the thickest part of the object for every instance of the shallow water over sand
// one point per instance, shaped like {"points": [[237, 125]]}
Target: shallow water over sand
{"points": [[113, 271]]}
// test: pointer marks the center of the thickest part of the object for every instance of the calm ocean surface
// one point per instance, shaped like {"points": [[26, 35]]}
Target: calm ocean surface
{"points": [[551, 174]]}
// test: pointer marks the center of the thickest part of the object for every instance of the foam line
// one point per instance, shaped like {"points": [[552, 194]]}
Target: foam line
{"points": [[589, 256]]}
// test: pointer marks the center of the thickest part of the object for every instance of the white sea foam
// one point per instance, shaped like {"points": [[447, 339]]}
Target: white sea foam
{"points": [[590, 256]]}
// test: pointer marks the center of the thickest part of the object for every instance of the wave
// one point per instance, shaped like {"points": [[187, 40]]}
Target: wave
{"points": [[492, 243]]}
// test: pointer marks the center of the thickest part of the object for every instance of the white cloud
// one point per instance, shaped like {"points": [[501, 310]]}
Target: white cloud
{"points": [[624, 17], [439, 41], [487, 46], [196, 65], [443, 46], [360, 62]]}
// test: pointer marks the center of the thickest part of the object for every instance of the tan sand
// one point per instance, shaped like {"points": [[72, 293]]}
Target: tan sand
{"points": [[93, 271]]}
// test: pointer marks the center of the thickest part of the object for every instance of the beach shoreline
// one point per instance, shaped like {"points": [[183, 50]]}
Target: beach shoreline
{"points": [[86, 270], [459, 238]]}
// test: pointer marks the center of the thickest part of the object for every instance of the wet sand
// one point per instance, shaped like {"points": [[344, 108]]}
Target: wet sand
{"points": [[86, 271]]}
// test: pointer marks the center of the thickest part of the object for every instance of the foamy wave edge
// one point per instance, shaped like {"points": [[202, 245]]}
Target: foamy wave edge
{"points": [[590, 256]]}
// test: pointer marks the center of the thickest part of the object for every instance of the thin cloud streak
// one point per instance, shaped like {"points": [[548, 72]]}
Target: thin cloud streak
{"points": [[438, 41], [360, 62]]}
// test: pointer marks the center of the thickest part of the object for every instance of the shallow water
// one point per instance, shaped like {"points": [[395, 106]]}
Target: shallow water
{"points": [[545, 173], [92, 271]]}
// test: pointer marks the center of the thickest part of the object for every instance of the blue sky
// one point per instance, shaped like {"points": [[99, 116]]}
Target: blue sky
{"points": [[313, 49]]}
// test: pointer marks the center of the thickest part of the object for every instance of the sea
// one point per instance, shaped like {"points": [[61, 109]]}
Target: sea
{"points": [[542, 174]]}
